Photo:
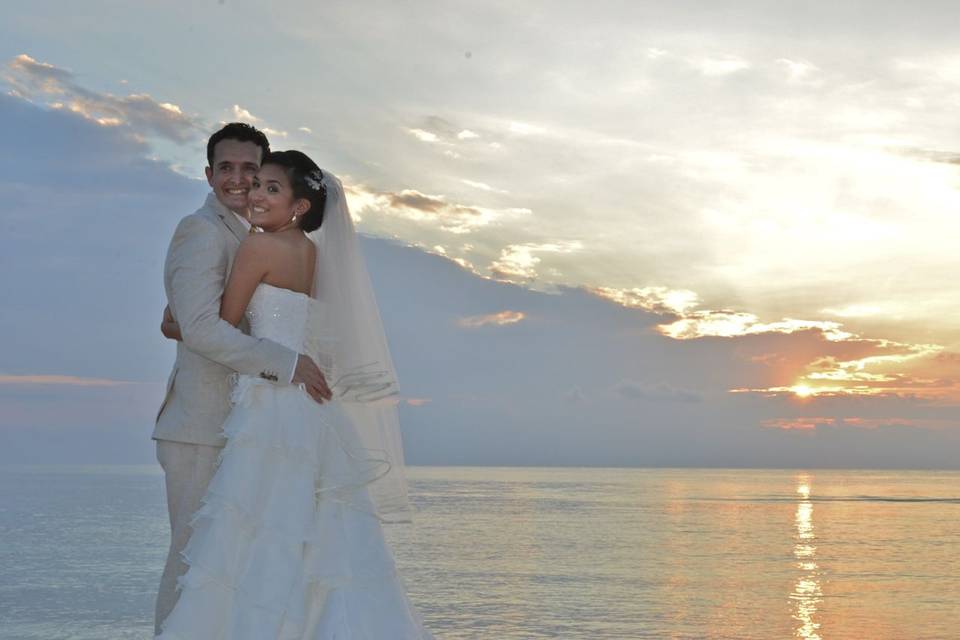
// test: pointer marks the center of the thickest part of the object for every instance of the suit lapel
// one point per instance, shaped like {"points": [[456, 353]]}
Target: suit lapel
{"points": [[226, 216]]}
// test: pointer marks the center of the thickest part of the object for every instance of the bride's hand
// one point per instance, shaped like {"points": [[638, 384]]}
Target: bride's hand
{"points": [[169, 326]]}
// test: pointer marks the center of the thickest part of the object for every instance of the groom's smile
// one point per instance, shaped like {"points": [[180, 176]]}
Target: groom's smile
{"points": [[231, 173]]}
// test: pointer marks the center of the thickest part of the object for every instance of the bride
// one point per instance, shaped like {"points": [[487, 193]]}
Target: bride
{"points": [[288, 542]]}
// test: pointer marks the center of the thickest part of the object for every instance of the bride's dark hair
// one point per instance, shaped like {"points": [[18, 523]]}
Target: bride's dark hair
{"points": [[305, 177]]}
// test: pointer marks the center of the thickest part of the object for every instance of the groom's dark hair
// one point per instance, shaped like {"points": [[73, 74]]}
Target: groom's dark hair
{"points": [[241, 132]]}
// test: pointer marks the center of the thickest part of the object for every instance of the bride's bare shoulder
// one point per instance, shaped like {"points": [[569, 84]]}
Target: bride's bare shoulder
{"points": [[258, 247], [262, 242], [273, 248]]}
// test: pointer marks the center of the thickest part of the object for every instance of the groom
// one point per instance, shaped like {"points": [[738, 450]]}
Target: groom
{"points": [[197, 401]]}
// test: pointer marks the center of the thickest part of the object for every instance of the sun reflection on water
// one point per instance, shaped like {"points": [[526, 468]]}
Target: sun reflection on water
{"points": [[806, 591]]}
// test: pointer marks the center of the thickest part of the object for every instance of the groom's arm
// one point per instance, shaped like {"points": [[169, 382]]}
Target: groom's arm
{"points": [[196, 267]]}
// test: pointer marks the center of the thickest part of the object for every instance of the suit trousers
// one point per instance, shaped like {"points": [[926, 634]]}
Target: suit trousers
{"points": [[188, 469]]}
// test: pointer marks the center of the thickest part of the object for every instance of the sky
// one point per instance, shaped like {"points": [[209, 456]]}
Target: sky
{"points": [[608, 233]]}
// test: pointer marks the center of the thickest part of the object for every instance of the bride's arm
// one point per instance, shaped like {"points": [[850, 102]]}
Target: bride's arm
{"points": [[249, 268]]}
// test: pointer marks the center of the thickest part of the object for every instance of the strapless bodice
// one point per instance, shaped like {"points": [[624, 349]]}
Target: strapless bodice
{"points": [[280, 315]]}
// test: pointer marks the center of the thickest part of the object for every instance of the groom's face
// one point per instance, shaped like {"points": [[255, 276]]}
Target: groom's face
{"points": [[234, 165]]}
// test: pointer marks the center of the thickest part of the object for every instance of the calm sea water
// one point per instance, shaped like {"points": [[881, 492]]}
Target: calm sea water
{"points": [[510, 553]]}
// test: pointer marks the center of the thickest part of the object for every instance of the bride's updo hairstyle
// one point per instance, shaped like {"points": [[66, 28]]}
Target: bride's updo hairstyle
{"points": [[306, 179]]}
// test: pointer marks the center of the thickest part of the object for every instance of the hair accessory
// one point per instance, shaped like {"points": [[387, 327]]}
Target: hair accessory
{"points": [[314, 179]]}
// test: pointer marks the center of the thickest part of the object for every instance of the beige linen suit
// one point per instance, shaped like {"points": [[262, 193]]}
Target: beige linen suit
{"points": [[188, 424]]}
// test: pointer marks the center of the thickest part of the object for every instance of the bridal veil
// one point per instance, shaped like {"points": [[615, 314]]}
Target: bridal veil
{"points": [[347, 332]]}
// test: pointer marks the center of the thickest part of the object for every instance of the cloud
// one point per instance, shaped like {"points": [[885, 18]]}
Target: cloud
{"points": [[59, 380], [425, 208], [854, 311], [814, 423], [275, 132], [524, 129], [861, 367], [483, 186], [655, 391], [423, 136], [720, 66], [411, 199], [453, 138], [243, 115], [140, 114], [879, 368], [28, 75], [797, 70], [656, 299], [874, 423], [500, 319], [440, 131], [932, 155], [699, 324], [797, 424], [518, 262], [442, 125], [950, 357]]}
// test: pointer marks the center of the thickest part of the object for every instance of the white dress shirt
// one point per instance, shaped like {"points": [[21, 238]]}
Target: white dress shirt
{"points": [[246, 223]]}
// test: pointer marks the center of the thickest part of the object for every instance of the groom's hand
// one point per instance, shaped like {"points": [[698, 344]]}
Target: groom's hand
{"points": [[169, 327], [309, 375]]}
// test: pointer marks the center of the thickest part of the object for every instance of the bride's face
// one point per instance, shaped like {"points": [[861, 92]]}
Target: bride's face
{"points": [[272, 204]]}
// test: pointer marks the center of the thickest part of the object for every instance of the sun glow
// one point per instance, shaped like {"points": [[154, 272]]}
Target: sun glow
{"points": [[895, 369], [803, 391]]}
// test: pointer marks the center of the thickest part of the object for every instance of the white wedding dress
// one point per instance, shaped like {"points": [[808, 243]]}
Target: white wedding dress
{"points": [[285, 545]]}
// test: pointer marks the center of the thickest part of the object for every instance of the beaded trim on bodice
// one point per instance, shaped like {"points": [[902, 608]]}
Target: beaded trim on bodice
{"points": [[280, 315]]}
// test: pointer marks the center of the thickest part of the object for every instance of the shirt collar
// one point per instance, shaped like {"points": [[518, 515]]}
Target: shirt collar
{"points": [[246, 223]]}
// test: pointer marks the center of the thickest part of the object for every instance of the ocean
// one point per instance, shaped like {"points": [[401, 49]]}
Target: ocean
{"points": [[517, 553]]}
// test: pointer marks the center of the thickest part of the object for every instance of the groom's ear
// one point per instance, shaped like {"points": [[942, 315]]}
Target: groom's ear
{"points": [[209, 173]]}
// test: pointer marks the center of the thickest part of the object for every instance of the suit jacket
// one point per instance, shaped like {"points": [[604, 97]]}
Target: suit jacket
{"points": [[195, 273]]}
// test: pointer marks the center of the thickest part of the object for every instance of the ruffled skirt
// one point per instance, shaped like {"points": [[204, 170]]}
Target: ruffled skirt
{"points": [[286, 544]]}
